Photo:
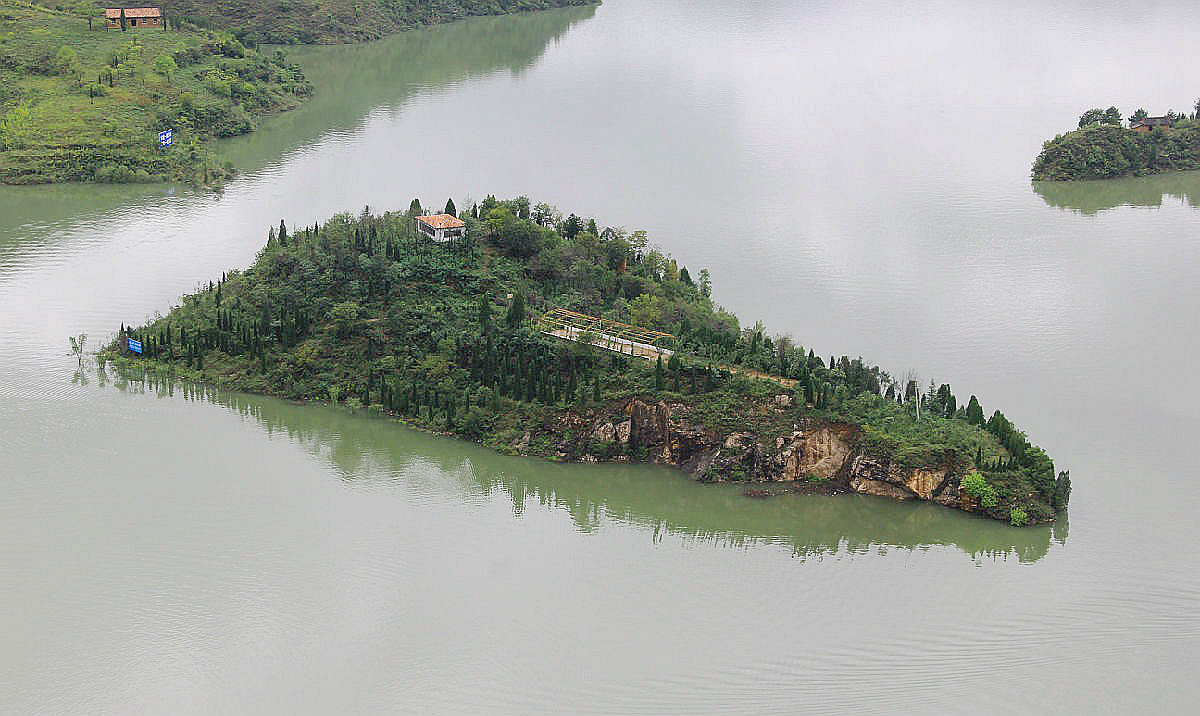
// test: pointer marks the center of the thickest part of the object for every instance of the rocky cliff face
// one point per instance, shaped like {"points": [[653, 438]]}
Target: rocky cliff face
{"points": [[818, 457]]}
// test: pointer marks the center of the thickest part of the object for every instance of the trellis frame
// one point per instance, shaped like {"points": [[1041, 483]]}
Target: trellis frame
{"points": [[611, 335]]}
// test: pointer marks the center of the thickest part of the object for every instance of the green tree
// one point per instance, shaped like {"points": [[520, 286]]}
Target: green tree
{"points": [[571, 227], [450, 208], [344, 316], [1112, 116], [1092, 116], [414, 207], [974, 411], [705, 283], [66, 60], [1062, 490], [123, 20], [516, 310], [165, 66], [485, 313], [282, 235], [658, 374], [1017, 517], [1138, 115]]}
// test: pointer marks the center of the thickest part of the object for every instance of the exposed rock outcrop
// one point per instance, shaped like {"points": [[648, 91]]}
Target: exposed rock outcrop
{"points": [[823, 457]]}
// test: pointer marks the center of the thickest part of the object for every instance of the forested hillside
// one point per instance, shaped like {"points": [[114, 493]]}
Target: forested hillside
{"points": [[324, 21], [364, 311]]}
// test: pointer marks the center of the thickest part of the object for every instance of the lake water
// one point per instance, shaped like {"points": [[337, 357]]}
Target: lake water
{"points": [[854, 174]]}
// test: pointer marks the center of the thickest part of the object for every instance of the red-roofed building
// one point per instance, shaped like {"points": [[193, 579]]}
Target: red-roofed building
{"points": [[441, 227], [134, 17]]}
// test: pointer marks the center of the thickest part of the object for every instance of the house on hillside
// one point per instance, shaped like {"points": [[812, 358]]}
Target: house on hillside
{"points": [[1145, 125], [135, 17], [441, 227]]}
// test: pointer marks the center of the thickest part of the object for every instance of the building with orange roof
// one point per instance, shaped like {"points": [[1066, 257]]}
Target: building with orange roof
{"points": [[441, 227], [135, 17]]}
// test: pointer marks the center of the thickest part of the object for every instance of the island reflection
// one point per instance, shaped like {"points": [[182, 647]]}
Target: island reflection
{"points": [[1093, 196], [363, 448]]}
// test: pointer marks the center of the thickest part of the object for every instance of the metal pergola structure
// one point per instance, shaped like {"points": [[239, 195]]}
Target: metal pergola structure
{"points": [[605, 333]]}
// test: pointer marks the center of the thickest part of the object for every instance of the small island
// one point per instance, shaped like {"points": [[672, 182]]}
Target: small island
{"points": [[1103, 147], [533, 333]]}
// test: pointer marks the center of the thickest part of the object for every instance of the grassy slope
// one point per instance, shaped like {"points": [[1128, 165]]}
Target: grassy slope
{"points": [[362, 312], [1105, 152], [53, 129]]}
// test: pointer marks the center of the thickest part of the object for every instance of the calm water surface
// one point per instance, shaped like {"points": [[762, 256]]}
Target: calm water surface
{"points": [[854, 174]]}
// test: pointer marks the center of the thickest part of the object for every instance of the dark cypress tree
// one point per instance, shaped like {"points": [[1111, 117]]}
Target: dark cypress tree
{"points": [[485, 313], [282, 235], [974, 412], [516, 310], [450, 208], [658, 374], [1062, 490]]}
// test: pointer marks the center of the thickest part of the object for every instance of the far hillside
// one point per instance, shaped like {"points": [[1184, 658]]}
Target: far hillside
{"points": [[287, 22], [79, 102]]}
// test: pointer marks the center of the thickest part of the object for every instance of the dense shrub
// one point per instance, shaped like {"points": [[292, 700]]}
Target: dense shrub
{"points": [[976, 485]]}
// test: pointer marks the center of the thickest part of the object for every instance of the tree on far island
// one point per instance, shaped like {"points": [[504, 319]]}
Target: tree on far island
{"points": [[1112, 116], [1092, 116], [1141, 114]]}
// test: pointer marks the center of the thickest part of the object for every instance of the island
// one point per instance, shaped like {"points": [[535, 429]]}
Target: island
{"points": [[532, 333], [1104, 148], [105, 92]]}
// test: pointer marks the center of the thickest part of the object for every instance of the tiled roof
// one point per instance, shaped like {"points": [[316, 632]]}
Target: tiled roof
{"points": [[442, 221], [1153, 122], [114, 13]]}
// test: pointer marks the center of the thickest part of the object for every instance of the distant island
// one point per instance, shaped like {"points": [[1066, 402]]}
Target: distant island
{"points": [[534, 333], [1103, 147], [88, 87]]}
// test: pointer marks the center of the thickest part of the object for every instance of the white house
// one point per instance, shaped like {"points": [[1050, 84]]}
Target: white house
{"points": [[441, 227]]}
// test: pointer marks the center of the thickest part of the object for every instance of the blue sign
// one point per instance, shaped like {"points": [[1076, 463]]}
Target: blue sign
{"points": [[134, 346], [166, 137]]}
